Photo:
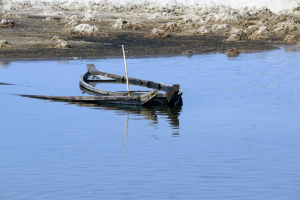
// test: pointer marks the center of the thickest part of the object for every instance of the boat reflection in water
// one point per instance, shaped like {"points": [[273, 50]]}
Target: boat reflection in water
{"points": [[151, 113]]}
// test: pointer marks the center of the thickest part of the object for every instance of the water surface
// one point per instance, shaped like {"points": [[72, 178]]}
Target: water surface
{"points": [[235, 137]]}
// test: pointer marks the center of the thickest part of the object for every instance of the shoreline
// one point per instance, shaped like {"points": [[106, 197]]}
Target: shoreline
{"points": [[35, 30], [241, 51], [18, 55], [36, 41]]}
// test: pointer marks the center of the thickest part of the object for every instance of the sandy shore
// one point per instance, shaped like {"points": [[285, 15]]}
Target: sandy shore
{"points": [[33, 32]]}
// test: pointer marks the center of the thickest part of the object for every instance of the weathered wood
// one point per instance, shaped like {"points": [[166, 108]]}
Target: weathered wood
{"points": [[145, 98], [121, 93], [117, 77], [164, 87], [144, 83], [131, 100], [135, 81], [171, 97], [92, 69], [135, 91], [173, 91], [81, 98], [84, 84], [153, 84]]}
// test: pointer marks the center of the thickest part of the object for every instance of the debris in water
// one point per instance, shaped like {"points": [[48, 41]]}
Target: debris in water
{"points": [[232, 53], [189, 52]]}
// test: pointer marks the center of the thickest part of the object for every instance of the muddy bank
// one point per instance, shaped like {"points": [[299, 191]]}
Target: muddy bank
{"points": [[99, 47], [59, 30], [135, 48], [34, 38]]}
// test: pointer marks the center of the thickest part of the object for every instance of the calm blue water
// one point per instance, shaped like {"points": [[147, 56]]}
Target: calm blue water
{"points": [[236, 136]]}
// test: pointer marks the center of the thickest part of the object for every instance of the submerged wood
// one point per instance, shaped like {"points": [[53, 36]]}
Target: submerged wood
{"points": [[129, 100], [171, 96], [5, 84]]}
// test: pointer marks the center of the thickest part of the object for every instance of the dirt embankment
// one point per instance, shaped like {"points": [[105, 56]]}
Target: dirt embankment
{"points": [[61, 32]]}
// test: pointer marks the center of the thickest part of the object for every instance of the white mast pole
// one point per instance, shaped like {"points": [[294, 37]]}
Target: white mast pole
{"points": [[126, 70]]}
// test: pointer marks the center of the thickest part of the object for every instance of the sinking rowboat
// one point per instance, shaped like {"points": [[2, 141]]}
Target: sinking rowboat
{"points": [[171, 95]]}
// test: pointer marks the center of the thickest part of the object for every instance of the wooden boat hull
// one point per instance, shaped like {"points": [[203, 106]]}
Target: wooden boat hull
{"points": [[88, 80], [126, 100]]}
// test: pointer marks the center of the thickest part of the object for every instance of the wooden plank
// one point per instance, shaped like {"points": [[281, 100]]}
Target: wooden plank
{"points": [[173, 91], [159, 101], [132, 100], [129, 100], [89, 87], [152, 84], [134, 91], [164, 87], [117, 77], [135, 81], [81, 98], [147, 97], [92, 69], [99, 91]]}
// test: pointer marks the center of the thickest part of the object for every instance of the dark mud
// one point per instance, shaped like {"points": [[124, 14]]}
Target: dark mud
{"points": [[135, 46], [31, 38]]}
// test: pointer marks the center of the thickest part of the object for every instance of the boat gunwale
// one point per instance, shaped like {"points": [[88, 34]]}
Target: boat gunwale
{"points": [[122, 79], [82, 82]]}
